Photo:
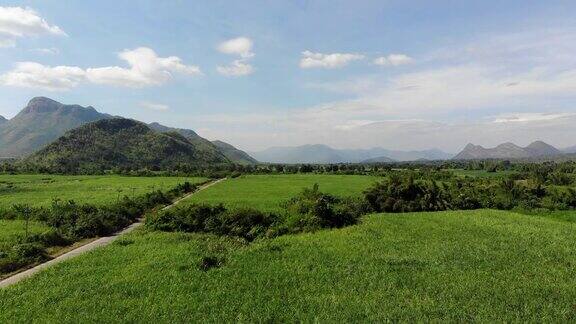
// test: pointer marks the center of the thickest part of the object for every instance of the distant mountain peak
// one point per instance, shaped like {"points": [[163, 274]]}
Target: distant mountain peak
{"points": [[507, 150], [41, 105], [44, 105], [2, 119]]}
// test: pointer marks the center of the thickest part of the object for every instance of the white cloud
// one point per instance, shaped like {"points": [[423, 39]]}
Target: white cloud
{"points": [[35, 75], [237, 46], [241, 46], [18, 22], [530, 117], [393, 60], [236, 68], [328, 61], [146, 69], [154, 106], [47, 51]]}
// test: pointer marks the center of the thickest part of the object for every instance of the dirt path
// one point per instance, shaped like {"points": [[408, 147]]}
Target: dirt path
{"points": [[103, 241]]}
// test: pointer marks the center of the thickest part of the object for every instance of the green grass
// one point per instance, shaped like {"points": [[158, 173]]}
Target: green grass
{"points": [[456, 266], [11, 229], [40, 190], [267, 192]]}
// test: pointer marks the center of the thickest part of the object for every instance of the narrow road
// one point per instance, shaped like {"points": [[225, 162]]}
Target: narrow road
{"points": [[103, 241]]}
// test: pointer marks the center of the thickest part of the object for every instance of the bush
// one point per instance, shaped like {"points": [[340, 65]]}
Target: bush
{"points": [[310, 210], [71, 221], [21, 255], [402, 194]]}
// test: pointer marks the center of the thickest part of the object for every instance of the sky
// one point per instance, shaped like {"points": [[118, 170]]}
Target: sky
{"points": [[350, 74]]}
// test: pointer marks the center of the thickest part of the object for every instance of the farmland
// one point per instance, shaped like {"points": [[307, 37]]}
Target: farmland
{"points": [[468, 265], [464, 265], [40, 190], [62, 210], [267, 192]]}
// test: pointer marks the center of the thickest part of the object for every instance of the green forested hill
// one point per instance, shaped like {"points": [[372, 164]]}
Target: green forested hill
{"points": [[122, 143], [234, 154]]}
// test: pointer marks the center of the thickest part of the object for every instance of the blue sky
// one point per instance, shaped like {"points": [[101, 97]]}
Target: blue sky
{"points": [[351, 74]]}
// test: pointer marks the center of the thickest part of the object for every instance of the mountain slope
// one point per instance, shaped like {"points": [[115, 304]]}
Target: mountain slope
{"points": [[121, 143], [507, 151], [43, 120], [39, 123], [233, 154]]}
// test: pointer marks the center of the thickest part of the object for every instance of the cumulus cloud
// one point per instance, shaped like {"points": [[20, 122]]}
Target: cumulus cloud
{"points": [[35, 75], [393, 60], [145, 69], [236, 68], [241, 46], [154, 106], [328, 61], [237, 46], [18, 22]]}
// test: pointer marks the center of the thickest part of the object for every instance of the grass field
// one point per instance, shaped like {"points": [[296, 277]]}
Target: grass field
{"points": [[10, 229], [40, 190], [267, 192], [461, 266]]}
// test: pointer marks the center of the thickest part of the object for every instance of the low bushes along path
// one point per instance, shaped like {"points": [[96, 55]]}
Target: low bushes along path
{"points": [[103, 241]]}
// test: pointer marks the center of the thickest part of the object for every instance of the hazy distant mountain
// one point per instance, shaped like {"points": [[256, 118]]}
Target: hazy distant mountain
{"points": [[569, 150], [43, 120], [540, 148], [234, 154], [507, 151], [40, 122], [324, 154], [380, 159], [123, 143], [378, 152], [301, 154]]}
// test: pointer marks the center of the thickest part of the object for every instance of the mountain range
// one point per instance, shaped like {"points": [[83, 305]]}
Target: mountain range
{"points": [[44, 120], [508, 151], [319, 153]]}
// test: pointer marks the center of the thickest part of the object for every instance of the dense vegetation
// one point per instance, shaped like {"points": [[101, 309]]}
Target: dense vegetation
{"points": [[69, 221], [308, 211], [119, 143]]}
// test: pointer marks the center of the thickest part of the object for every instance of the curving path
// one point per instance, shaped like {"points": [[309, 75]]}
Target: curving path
{"points": [[103, 241]]}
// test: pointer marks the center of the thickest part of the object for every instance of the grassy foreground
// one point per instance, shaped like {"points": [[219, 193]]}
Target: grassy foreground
{"points": [[41, 189], [267, 192], [476, 265]]}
